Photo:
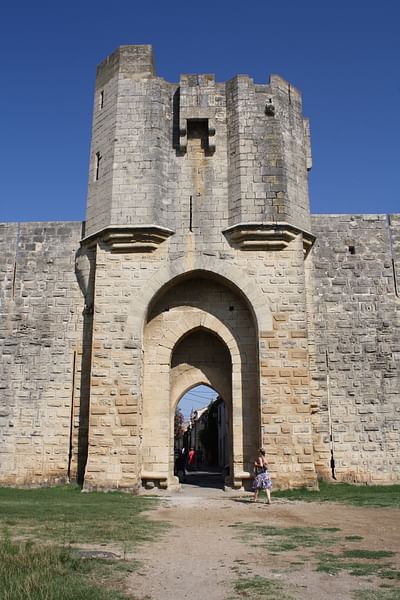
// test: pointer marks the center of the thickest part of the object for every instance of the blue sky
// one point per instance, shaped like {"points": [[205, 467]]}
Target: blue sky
{"points": [[196, 398], [344, 56]]}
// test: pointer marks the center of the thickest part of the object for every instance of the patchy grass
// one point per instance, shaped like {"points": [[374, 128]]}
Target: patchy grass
{"points": [[356, 495], [312, 541], [376, 595], [67, 515], [282, 539], [55, 573], [369, 554], [259, 588], [390, 573], [334, 563], [40, 564]]}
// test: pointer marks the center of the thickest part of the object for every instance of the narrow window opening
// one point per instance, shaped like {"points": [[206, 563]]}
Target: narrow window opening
{"points": [[97, 166], [197, 129], [191, 213], [14, 278], [396, 288], [101, 99], [352, 249], [390, 240]]}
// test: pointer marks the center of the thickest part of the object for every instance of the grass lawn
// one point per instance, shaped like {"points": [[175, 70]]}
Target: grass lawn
{"points": [[38, 527], [356, 495], [68, 516]]}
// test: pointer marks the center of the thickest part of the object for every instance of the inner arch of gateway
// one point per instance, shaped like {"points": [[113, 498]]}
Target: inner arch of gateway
{"points": [[200, 332]]}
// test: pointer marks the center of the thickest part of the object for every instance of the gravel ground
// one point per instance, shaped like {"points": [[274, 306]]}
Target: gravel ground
{"points": [[202, 556]]}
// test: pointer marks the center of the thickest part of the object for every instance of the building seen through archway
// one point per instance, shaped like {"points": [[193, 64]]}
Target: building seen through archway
{"points": [[206, 429], [202, 442]]}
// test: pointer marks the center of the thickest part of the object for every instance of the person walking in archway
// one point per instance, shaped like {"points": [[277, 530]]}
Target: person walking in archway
{"points": [[262, 480], [180, 465], [192, 458]]}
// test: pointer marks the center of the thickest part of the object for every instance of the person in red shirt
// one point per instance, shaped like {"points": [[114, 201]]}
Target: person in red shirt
{"points": [[192, 457]]}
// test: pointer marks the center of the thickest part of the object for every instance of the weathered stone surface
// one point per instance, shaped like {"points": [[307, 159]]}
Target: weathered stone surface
{"points": [[355, 332], [195, 266], [40, 333]]}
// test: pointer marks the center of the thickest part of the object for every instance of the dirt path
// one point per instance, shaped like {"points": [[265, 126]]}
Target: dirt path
{"points": [[203, 555]]}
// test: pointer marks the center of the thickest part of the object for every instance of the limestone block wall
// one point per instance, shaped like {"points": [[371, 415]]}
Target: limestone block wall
{"points": [[284, 365], [40, 334], [273, 285], [197, 177], [201, 332], [268, 152], [296, 153], [394, 240], [104, 123], [132, 132], [355, 346], [196, 158], [198, 224], [157, 145]]}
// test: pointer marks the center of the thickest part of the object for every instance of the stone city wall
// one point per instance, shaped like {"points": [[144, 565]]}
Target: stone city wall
{"points": [[194, 184], [40, 337], [354, 310]]}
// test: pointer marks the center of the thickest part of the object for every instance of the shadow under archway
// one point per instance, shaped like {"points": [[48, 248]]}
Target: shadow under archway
{"points": [[205, 478]]}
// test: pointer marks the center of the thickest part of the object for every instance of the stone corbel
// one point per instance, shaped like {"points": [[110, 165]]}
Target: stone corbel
{"points": [[211, 134], [183, 138], [124, 238], [267, 236]]}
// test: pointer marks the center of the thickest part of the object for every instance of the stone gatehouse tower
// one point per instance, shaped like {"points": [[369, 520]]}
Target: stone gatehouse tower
{"points": [[199, 263]]}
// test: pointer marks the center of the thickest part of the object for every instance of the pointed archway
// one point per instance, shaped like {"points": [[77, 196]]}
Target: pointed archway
{"points": [[199, 331], [201, 357]]}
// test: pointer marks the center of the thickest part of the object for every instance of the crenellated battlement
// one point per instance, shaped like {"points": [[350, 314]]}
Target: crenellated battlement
{"points": [[250, 162]]}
